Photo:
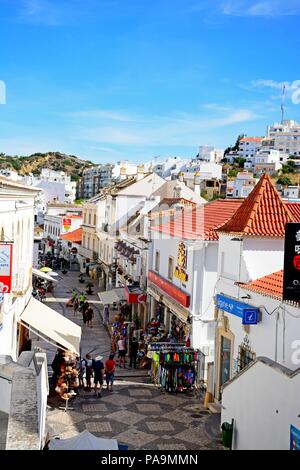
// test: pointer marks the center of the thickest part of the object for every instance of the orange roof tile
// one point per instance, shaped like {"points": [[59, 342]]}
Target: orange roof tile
{"points": [[270, 285], [251, 139], [200, 223], [75, 236], [263, 213]]}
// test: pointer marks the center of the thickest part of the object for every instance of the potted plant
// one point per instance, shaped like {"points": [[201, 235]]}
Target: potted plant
{"points": [[81, 278], [89, 289]]}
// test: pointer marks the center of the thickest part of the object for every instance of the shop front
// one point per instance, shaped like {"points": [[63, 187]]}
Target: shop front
{"points": [[136, 299], [169, 306]]}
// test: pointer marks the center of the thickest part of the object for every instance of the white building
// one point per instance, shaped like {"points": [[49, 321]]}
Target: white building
{"points": [[241, 186], [286, 136], [57, 225], [23, 375], [183, 272], [249, 146], [253, 322], [10, 174], [210, 154], [56, 186], [167, 168], [291, 192], [123, 169], [94, 179], [267, 161]]}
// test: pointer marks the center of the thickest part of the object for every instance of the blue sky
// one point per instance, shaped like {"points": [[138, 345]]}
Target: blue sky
{"points": [[134, 79]]}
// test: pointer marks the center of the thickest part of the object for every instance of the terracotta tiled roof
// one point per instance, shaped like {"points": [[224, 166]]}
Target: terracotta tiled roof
{"points": [[75, 236], [271, 285], [294, 208], [200, 223], [263, 213], [251, 139]]}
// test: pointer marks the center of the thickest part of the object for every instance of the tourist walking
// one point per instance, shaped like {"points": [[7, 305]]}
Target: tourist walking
{"points": [[133, 350], [89, 314], [122, 351], [84, 310], [110, 367], [82, 299], [98, 368], [88, 371], [74, 294], [106, 315], [75, 305]]}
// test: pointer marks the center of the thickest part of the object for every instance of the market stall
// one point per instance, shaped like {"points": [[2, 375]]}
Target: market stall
{"points": [[173, 366], [65, 380]]}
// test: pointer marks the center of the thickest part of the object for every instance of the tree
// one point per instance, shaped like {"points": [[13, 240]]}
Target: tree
{"points": [[233, 173], [235, 147], [240, 161], [284, 181], [289, 168]]}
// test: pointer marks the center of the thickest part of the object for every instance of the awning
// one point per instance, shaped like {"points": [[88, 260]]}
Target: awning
{"points": [[42, 275], [84, 441], [112, 296], [51, 326]]}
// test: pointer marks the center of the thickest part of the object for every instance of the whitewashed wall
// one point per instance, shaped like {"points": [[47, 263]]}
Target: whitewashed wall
{"points": [[17, 222], [264, 402]]}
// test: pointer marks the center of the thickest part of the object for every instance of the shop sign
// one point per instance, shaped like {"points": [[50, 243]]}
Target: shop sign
{"points": [[142, 298], [294, 438], [249, 315], [180, 270], [134, 295], [67, 222], [291, 272], [5, 267], [166, 286]]}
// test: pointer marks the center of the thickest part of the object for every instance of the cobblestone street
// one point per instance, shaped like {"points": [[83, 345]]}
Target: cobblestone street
{"points": [[136, 413]]}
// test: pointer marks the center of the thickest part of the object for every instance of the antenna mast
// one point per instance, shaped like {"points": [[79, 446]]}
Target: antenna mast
{"points": [[282, 102]]}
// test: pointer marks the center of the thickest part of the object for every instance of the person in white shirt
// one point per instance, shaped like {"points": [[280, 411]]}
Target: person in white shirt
{"points": [[122, 351]]}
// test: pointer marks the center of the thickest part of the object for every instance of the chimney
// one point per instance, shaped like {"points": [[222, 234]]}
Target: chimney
{"points": [[180, 177], [140, 172], [197, 181], [123, 173]]}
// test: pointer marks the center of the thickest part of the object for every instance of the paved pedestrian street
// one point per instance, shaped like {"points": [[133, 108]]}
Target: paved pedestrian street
{"points": [[136, 413]]}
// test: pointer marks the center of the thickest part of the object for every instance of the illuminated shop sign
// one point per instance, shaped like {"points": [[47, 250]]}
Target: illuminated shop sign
{"points": [[180, 270]]}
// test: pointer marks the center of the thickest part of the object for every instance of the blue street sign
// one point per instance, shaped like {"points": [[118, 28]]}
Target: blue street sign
{"points": [[248, 314]]}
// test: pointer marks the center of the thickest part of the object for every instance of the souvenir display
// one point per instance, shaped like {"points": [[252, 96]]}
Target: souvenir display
{"points": [[173, 366]]}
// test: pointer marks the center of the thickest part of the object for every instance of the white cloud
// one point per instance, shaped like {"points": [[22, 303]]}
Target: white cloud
{"points": [[107, 114], [266, 8], [182, 129]]}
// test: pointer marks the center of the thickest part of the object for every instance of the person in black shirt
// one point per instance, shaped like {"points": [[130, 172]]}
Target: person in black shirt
{"points": [[133, 350]]}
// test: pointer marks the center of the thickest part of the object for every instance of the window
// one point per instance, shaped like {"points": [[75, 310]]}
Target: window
{"points": [[170, 268], [95, 217], [245, 356], [157, 260], [90, 219]]}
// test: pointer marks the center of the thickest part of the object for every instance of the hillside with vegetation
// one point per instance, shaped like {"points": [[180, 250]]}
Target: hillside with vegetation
{"points": [[57, 161]]}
